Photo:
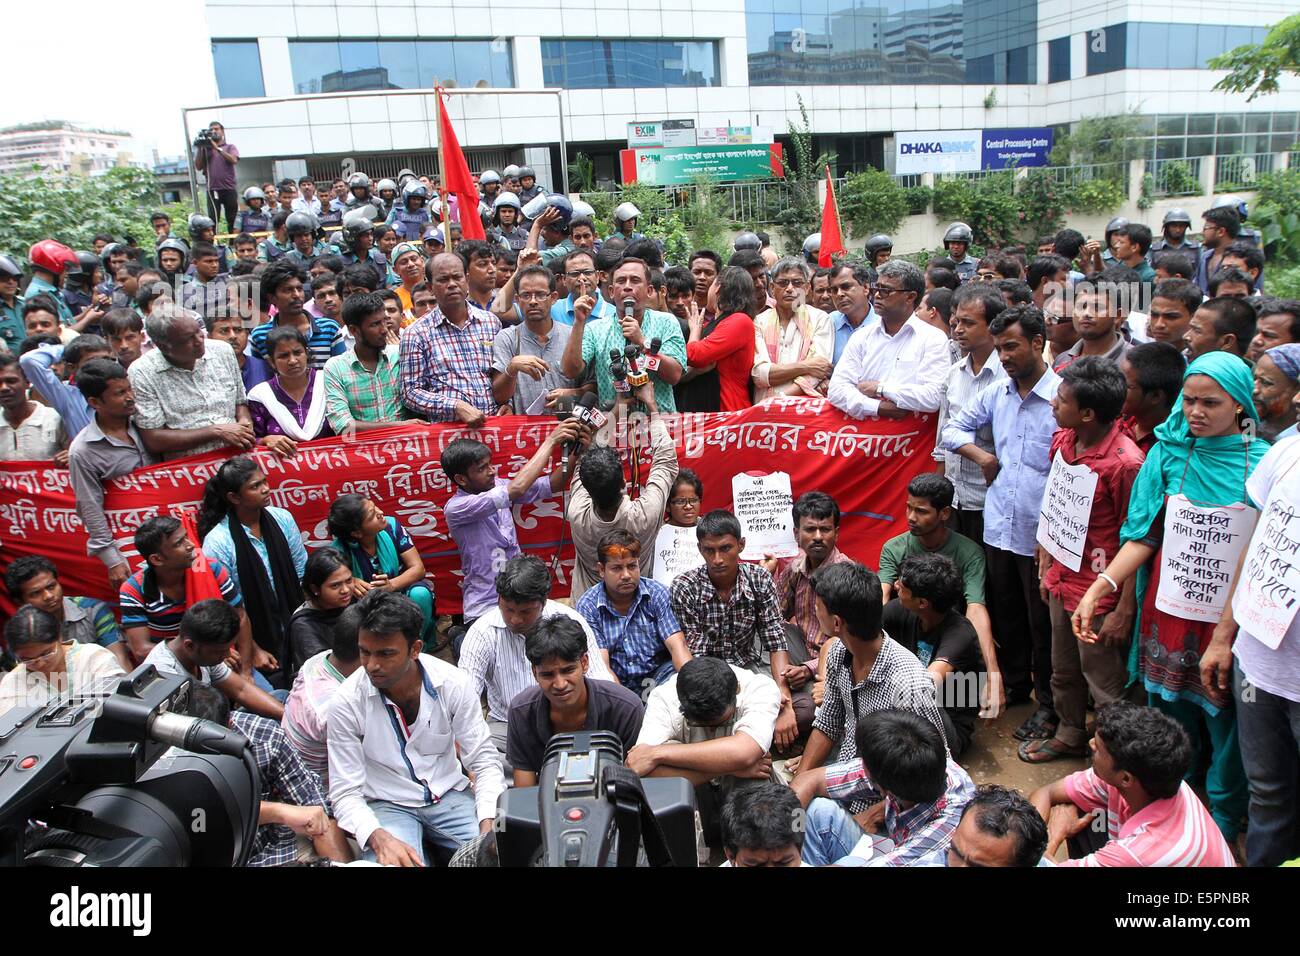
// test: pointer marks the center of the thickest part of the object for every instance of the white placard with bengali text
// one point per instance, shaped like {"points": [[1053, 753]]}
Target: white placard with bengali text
{"points": [[1066, 509], [1200, 552], [762, 505], [677, 550], [1268, 594]]}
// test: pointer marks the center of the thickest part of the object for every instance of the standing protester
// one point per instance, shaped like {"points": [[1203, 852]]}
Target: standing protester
{"points": [[362, 386], [1275, 391], [726, 342], [1020, 412], [1219, 227], [526, 357], [1205, 454], [1153, 373], [793, 342], [29, 431], [217, 159], [852, 289]]}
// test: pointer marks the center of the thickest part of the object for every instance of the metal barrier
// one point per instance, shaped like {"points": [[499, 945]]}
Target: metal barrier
{"points": [[1175, 177], [1241, 170]]}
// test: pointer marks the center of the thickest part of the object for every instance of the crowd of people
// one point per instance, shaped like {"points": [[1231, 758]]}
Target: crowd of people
{"points": [[819, 704]]}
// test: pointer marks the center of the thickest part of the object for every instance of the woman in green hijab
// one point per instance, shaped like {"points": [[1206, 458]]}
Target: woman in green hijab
{"points": [[1204, 452]]}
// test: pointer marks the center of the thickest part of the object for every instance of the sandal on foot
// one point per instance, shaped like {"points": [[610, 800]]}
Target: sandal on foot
{"points": [[1043, 751], [1041, 725]]}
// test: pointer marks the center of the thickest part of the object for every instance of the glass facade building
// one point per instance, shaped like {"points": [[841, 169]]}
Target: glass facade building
{"points": [[608, 64], [334, 66], [1164, 46], [238, 66]]}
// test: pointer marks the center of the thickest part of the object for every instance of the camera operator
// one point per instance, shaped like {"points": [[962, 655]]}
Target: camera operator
{"points": [[217, 159]]}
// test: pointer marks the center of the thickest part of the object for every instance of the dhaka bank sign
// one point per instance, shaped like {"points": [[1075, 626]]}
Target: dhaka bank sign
{"points": [[968, 150]]}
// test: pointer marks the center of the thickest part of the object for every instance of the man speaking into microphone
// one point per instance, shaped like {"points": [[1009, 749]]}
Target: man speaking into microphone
{"points": [[635, 326]]}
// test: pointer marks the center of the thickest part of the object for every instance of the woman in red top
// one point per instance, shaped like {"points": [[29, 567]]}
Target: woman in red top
{"points": [[728, 341]]}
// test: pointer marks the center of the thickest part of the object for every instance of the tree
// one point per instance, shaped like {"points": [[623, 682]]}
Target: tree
{"points": [[802, 214], [72, 209], [1257, 67], [872, 201]]}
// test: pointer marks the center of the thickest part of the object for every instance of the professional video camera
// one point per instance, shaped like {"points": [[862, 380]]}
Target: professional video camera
{"points": [[89, 780], [587, 806], [204, 138]]}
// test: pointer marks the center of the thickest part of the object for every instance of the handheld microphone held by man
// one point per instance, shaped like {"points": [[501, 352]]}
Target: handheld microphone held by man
{"points": [[591, 416]]}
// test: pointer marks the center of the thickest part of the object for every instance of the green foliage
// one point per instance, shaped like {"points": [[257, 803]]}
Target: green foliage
{"points": [[1100, 139], [582, 174], [1043, 201], [1285, 283], [872, 201], [707, 217], [1276, 214], [1257, 68], [952, 197], [1093, 196], [802, 214], [72, 209], [1179, 180], [918, 199], [1148, 188], [988, 204]]}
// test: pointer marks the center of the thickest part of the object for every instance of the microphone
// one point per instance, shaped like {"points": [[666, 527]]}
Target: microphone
{"points": [[652, 355], [629, 307], [587, 412], [636, 376], [618, 371]]}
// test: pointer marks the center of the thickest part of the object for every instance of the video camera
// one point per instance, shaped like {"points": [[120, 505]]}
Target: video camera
{"points": [[90, 780], [587, 806], [203, 138]]}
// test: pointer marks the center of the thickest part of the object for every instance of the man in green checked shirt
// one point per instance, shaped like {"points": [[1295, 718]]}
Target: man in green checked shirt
{"points": [[591, 344]]}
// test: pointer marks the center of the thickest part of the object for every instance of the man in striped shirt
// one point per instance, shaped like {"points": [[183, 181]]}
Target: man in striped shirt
{"points": [[362, 388], [1152, 817], [155, 598], [446, 357], [282, 287]]}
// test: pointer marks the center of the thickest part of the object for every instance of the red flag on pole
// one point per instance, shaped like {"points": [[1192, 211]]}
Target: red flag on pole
{"points": [[456, 178], [832, 239]]}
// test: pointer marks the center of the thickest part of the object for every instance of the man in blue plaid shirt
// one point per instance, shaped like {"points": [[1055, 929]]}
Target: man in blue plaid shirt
{"points": [[446, 357], [632, 617]]}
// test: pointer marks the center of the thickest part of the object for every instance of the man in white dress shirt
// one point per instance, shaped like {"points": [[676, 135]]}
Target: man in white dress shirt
{"points": [[492, 655], [897, 364], [394, 727]]}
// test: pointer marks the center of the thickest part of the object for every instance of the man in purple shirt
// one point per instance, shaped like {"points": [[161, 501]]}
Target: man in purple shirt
{"points": [[480, 516], [218, 158]]}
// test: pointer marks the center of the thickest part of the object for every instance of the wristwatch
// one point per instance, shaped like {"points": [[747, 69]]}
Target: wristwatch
{"points": [[880, 390]]}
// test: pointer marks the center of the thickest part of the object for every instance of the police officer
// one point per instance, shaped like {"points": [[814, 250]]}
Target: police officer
{"points": [[957, 242], [747, 241], [625, 217], [203, 229], [1173, 237], [302, 228], [356, 241], [529, 188], [878, 249], [255, 218], [411, 215], [173, 260], [510, 179], [12, 330], [812, 247], [79, 287], [277, 243], [386, 192], [506, 216], [51, 263], [359, 197]]}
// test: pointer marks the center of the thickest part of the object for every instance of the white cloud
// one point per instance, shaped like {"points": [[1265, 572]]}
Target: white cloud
{"points": [[129, 66]]}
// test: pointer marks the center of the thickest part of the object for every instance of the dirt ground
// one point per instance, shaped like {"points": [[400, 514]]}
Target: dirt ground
{"points": [[991, 757]]}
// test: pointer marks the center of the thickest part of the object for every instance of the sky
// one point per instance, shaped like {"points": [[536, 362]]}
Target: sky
{"points": [[155, 56]]}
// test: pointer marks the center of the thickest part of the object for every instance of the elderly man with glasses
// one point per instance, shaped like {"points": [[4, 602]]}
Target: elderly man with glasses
{"points": [[899, 364], [793, 342]]}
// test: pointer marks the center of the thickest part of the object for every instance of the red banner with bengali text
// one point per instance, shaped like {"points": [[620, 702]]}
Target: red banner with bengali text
{"points": [[864, 465]]}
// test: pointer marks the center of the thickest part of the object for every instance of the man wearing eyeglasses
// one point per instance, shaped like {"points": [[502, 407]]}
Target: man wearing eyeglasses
{"points": [[583, 280], [897, 365], [526, 374]]}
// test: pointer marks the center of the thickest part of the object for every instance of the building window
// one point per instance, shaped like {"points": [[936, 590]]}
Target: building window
{"points": [[1058, 60], [239, 69], [335, 66], [1106, 46], [1021, 63], [600, 64]]}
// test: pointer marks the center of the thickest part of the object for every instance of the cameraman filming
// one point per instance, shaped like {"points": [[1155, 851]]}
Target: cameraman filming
{"points": [[217, 159]]}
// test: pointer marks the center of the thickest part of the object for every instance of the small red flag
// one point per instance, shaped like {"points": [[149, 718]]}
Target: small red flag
{"points": [[832, 239], [456, 178]]}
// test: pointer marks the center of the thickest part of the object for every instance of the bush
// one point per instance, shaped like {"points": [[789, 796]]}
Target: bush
{"points": [[72, 209], [872, 201], [1285, 283], [988, 204], [1095, 196], [1276, 214], [1043, 201], [918, 199]]}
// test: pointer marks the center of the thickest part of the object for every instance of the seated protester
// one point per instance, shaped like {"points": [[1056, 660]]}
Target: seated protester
{"points": [[400, 729], [712, 723], [34, 580], [124, 331], [358, 277], [63, 396], [361, 386], [262, 547], [282, 287], [1153, 818], [998, 828], [902, 759], [327, 593], [725, 343], [326, 300], [29, 430], [598, 502], [381, 556], [1229, 283], [929, 508], [233, 326], [865, 669], [245, 247], [293, 802], [924, 619], [729, 610], [1087, 408], [290, 406], [817, 529], [760, 827], [526, 375], [676, 537], [480, 514], [306, 711], [564, 700], [632, 617], [203, 641], [492, 653], [1222, 324], [1153, 372], [154, 599], [49, 664]]}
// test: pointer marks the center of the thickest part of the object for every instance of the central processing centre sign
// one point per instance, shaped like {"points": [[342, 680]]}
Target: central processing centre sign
{"points": [[969, 150]]}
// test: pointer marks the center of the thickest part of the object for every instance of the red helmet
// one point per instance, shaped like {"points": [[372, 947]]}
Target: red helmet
{"points": [[53, 256]]}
